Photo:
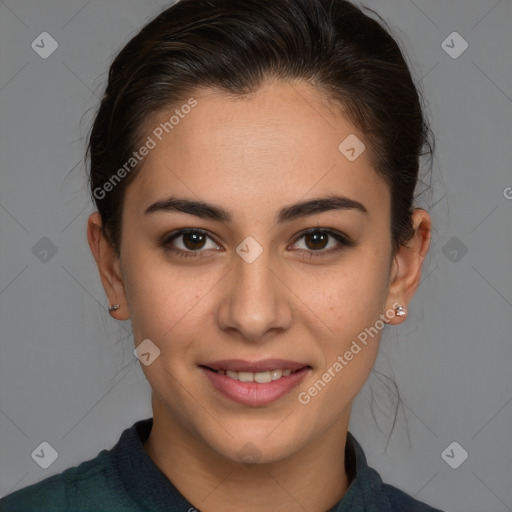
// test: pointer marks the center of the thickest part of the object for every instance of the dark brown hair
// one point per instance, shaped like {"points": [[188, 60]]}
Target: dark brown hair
{"points": [[234, 46]]}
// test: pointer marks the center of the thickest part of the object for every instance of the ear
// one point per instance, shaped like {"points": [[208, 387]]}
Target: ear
{"points": [[407, 264], [109, 267]]}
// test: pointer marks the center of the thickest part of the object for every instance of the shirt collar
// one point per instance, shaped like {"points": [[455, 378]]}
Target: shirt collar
{"points": [[152, 490], [365, 492]]}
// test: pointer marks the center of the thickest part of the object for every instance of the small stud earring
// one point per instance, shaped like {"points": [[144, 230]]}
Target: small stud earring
{"points": [[400, 310], [113, 307]]}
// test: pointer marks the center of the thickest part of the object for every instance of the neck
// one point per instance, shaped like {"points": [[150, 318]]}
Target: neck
{"points": [[312, 479]]}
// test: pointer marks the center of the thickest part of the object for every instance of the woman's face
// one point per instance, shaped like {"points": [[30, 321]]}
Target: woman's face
{"points": [[253, 287]]}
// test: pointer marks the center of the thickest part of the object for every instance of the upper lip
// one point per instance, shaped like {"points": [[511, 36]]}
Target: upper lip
{"points": [[240, 365]]}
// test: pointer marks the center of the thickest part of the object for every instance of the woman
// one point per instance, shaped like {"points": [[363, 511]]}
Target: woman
{"points": [[253, 166]]}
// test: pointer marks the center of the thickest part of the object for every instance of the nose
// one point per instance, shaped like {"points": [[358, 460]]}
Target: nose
{"points": [[256, 301]]}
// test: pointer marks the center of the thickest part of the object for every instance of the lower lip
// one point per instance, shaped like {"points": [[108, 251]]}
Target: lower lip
{"points": [[253, 393]]}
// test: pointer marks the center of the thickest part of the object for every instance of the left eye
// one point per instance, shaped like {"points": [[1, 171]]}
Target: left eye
{"points": [[316, 242]]}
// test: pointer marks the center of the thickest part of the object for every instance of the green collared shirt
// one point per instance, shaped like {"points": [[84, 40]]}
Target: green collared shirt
{"points": [[125, 479]]}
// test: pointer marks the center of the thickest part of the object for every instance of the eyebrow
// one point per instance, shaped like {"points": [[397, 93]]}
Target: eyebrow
{"points": [[210, 211]]}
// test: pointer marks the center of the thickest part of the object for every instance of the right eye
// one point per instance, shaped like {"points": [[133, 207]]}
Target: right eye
{"points": [[192, 241]]}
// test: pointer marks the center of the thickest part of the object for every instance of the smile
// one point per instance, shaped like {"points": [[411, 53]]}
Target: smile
{"points": [[257, 383], [260, 377]]}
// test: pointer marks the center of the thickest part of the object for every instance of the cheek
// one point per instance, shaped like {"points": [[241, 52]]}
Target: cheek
{"points": [[356, 293], [348, 356], [166, 301], [148, 284], [351, 305]]}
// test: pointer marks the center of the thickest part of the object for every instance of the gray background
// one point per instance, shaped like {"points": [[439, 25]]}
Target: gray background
{"points": [[68, 375]]}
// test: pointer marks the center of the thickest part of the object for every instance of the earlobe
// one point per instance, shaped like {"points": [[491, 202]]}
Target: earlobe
{"points": [[109, 268], [407, 264]]}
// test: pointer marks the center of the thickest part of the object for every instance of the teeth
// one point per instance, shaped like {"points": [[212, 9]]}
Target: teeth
{"points": [[245, 376], [276, 374], [260, 377]]}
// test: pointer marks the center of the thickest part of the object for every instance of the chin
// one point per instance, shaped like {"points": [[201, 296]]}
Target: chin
{"points": [[251, 449]]}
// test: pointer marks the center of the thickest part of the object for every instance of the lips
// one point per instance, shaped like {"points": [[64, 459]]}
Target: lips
{"points": [[255, 383], [265, 365]]}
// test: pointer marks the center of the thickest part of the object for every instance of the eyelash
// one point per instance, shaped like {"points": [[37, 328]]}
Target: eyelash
{"points": [[343, 240]]}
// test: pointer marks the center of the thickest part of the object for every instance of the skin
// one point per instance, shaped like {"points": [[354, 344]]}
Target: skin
{"points": [[253, 156]]}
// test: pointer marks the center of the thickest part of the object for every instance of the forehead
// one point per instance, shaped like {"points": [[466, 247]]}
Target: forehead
{"points": [[279, 143]]}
